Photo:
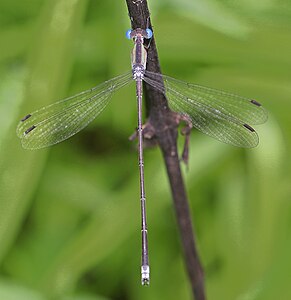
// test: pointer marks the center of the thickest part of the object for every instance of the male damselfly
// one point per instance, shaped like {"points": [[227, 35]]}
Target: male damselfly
{"points": [[224, 116]]}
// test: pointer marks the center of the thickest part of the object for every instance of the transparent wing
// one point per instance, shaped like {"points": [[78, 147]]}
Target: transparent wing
{"points": [[222, 115], [59, 121]]}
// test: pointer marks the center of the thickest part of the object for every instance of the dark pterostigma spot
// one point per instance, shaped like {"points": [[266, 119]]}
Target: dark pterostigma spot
{"points": [[249, 127], [25, 118], [256, 103], [29, 129]]}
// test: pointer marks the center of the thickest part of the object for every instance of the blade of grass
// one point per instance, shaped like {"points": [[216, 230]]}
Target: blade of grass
{"points": [[49, 69]]}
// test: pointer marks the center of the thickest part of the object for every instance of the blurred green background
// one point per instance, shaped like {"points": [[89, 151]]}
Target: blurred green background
{"points": [[70, 215]]}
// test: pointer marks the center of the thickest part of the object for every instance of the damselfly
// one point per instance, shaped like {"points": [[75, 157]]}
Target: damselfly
{"points": [[224, 116]]}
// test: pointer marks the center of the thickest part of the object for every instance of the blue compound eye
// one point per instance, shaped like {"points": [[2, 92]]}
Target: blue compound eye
{"points": [[128, 32], [149, 33]]}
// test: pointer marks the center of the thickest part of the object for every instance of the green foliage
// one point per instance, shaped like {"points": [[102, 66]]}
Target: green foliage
{"points": [[69, 215]]}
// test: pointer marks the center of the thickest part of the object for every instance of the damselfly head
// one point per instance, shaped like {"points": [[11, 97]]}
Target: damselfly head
{"points": [[147, 34]]}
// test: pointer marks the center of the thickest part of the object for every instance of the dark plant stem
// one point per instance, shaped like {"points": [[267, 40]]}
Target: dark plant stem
{"points": [[165, 125]]}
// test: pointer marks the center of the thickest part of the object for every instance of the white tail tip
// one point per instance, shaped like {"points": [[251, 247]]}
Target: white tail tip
{"points": [[145, 275]]}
